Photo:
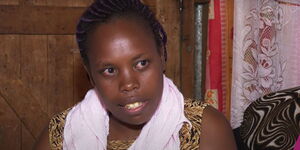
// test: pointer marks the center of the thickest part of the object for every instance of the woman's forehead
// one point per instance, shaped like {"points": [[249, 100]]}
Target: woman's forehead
{"points": [[122, 32], [121, 37]]}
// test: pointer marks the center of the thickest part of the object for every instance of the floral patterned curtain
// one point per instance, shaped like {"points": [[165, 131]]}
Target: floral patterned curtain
{"points": [[266, 51]]}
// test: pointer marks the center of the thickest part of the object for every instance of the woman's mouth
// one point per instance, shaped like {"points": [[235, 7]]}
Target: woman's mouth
{"points": [[135, 107]]}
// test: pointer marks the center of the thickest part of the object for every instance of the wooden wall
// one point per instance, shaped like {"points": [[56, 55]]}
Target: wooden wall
{"points": [[41, 72], [40, 68]]}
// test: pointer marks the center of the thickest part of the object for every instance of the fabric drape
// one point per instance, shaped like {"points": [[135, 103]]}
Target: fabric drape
{"points": [[217, 62], [87, 124], [265, 51]]}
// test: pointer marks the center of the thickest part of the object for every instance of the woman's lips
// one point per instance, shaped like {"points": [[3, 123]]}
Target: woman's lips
{"points": [[134, 107]]}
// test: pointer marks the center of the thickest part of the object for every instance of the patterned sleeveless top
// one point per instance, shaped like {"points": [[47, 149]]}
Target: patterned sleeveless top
{"points": [[189, 136]]}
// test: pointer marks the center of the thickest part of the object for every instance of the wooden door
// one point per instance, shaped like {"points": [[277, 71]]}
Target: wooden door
{"points": [[40, 69]]}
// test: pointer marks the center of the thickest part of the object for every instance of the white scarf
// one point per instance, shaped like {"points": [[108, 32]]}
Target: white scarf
{"points": [[87, 124]]}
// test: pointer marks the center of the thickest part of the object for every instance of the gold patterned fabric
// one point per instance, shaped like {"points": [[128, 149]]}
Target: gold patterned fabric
{"points": [[56, 130], [119, 145], [189, 136]]}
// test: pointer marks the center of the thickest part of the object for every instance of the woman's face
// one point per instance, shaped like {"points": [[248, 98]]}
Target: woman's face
{"points": [[126, 69]]}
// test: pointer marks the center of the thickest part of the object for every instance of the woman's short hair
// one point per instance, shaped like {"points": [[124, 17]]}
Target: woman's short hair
{"points": [[102, 11]]}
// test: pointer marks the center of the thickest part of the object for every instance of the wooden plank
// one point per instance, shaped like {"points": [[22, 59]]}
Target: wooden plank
{"points": [[10, 127], [24, 104], [34, 66], [28, 140], [82, 3], [205, 45], [60, 73], [187, 49], [10, 56], [39, 20], [229, 48], [81, 80], [60, 3], [76, 3], [9, 2], [168, 15], [37, 2], [150, 3], [64, 3], [202, 1]]}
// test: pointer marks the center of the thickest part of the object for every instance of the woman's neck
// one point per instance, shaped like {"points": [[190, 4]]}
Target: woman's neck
{"points": [[122, 131]]}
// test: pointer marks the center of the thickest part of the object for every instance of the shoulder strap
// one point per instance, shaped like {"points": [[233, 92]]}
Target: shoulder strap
{"points": [[56, 130], [190, 136]]}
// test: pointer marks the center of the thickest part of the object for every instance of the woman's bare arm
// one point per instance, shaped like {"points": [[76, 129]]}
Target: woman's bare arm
{"points": [[216, 133]]}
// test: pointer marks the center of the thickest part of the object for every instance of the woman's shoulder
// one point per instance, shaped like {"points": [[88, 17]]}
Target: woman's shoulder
{"points": [[56, 129], [190, 135], [208, 122], [216, 131]]}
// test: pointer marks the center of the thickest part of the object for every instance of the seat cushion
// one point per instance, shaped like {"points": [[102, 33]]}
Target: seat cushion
{"points": [[272, 121]]}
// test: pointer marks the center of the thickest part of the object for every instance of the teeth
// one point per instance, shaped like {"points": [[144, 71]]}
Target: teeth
{"points": [[133, 105]]}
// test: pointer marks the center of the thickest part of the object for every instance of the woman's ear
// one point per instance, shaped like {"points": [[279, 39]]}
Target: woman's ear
{"points": [[87, 69]]}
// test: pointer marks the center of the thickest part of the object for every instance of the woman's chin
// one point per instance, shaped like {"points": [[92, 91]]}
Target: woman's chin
{"points": [[136, 121]]}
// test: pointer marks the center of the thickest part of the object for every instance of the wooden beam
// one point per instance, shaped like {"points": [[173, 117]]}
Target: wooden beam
{"points": [[187, 49], [33, 66], [169, 16], [25, 105], [28, 140], [202, 1], [10, 56], [204, 45], [150, 3], [39, 19], [229, 47], [60, 72], [9, 2], [62, 3], [10, 126]]}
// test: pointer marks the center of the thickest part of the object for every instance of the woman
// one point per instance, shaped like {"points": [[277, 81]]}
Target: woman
{"points": [[132, 105]]}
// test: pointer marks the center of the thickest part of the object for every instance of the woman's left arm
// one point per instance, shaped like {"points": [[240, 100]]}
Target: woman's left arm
{"points": [[216, 133]]}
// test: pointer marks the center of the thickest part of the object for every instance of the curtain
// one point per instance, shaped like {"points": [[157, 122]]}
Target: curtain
{"points": [[266, 51], [217, 62]]}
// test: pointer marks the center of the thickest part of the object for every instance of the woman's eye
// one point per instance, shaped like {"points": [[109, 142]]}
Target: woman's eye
{"points": [[142, 64], [109, 71]]}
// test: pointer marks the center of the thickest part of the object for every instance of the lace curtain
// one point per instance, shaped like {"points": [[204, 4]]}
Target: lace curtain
{"points": [[266, 51]]}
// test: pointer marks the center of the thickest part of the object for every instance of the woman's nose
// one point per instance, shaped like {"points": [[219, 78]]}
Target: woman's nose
{"points": [[128, 82]]}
